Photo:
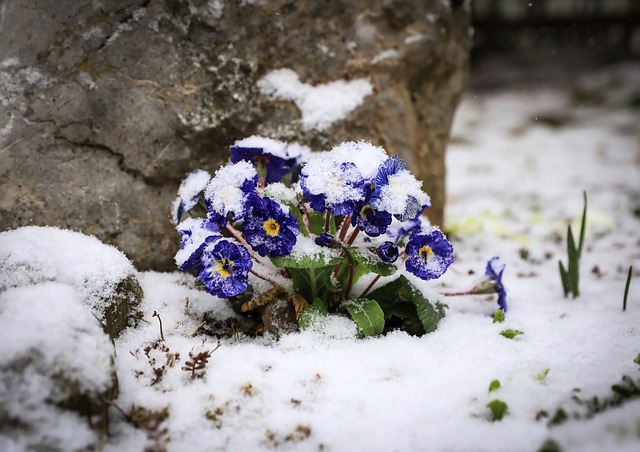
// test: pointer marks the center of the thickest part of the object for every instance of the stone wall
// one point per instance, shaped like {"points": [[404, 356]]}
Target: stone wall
{"points": [[107, 104]]}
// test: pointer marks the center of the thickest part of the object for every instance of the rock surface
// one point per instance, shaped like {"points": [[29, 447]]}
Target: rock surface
{"points": [[106, 105], [102, 276]]}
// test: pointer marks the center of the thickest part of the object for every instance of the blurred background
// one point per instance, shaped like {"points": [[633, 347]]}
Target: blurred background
{"points": [[550, 41]]}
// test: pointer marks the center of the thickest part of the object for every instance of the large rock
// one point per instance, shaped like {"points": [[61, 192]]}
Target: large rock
{"points": [[107, 104], [103, 277]]}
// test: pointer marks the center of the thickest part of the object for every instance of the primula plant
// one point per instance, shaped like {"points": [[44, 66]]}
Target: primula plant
{"points": [[337, 233]]}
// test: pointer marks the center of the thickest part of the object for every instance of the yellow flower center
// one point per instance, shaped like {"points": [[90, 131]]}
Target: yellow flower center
{"points": [[364, 210], [271, 227], [223, 266], [426, 253]]}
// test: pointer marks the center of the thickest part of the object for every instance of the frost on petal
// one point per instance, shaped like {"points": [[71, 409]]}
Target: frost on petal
{"points": [[398, 192], [226, 265], [429, 254], [332, 185], [495, 269], [269, 229], [196, 234], [189, 193], [229, 192], [363, 154]]}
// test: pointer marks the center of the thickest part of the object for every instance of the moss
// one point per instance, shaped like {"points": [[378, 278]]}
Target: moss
{"points": [[121, 310]]}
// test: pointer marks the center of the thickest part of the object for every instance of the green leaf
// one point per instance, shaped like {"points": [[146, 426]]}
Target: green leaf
{"points": [[637, 360], [401, 290], [312, 312], [498, 409], [510, 334], [316, 222], [498, 316], [313, 260], [312, 283], [429, 314], [494, 385], [542, 376], [371, 262], [367, 314]]}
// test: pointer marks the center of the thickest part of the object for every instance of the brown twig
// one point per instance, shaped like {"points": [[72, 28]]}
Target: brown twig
{"points": [[155, 314]]}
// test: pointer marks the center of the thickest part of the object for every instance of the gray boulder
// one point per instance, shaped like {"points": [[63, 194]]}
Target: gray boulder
{"points": [[103, 277], [107, 104]]}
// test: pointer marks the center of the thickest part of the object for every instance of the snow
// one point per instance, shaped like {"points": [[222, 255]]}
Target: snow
{"points": [[320, 105], [189, 192], [366, 156], [48, 336], [270, 146], [514, 183], [34, 254], [224, 191]]}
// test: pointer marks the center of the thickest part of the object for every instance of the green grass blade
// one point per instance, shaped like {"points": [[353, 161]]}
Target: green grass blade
{"points": [[582, 224], [574, 264], [626, 289], [564, 278]]}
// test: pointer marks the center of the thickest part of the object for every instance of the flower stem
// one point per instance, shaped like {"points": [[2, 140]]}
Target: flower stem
{"points": [[370, 286], [344, 227], [327, 221], [265, 278], [474, 291], [353, 236], [242, 240]]}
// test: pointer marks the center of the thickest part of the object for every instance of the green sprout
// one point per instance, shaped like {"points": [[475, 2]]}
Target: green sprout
{"points": [[498, 409], [570, 276], [626, 289], [511, 334]]}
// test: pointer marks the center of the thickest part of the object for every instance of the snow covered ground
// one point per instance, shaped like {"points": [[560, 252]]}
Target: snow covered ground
{"points": [[517, 166]]}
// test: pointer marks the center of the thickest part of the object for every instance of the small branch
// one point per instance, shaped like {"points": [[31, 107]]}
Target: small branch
{"points": [[264, 278], [155, 314], [626, 289]]}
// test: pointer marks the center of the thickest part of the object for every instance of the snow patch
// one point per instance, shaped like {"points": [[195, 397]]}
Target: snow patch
{"points": [[320, 105]]}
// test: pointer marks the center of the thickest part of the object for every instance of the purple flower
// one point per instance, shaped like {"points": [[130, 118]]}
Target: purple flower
{"points": [[270, 156], [325, 239], [331, 185], [494, 270], [388, 252], [196, 233], [429, 254], [229, 194], [189, 192], [226, 266], [269, 229], [398, 192]]}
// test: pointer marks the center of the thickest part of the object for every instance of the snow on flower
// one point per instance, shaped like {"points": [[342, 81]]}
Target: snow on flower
{"points": [[372, 221], [363, 154], [329, 184], [226, 266], [388, 252], [397, 230], [228, 194], [429, 254], [398, 192], [196, 233], [269, 229], [325, 239], [268, 155], [495, 269], [189, 193]]}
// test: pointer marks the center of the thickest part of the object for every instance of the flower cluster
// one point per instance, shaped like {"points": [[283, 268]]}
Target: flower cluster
{"points": [[313, 223]]}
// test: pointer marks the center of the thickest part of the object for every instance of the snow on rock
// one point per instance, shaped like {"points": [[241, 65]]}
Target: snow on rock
{"points": [[56, 370], [102, 276], [321, 105]]}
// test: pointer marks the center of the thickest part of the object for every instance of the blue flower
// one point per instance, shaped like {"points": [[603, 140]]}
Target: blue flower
{"points": [[226, 266], [398, 230], [196, 233], [266, 154], [229, 194], [189, 192], [331, 185], [429, 254], [268, 229], [325, 239], [373, 222], [388, 252], [398, 192], [494, 270]]}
